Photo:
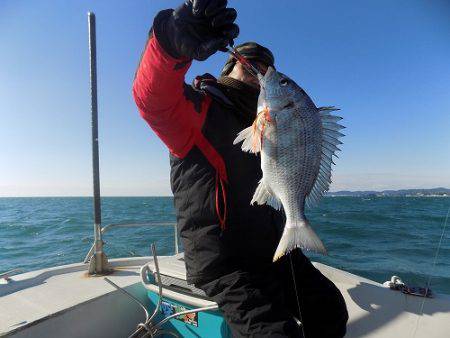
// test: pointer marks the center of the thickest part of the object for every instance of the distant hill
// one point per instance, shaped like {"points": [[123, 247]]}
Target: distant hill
{"points": [[403, 192]]}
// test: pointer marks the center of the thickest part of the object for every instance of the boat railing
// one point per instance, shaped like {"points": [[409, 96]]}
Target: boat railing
{"points": [[128, 225], [149, 328]]}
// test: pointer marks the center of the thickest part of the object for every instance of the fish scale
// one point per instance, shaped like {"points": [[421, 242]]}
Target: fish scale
{"points": [[297, 142], [298, 172]]}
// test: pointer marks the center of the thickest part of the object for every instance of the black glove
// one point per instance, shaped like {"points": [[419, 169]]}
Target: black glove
{"points": [[197, 29]]}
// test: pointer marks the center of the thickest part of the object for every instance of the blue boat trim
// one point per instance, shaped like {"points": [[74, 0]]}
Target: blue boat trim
{"points": [[209, 324]]}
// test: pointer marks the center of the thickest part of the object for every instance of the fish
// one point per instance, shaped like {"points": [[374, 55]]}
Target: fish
{"points": [[297, 142]]}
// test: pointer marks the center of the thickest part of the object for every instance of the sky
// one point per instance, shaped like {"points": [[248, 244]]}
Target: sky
{"points": [[384, 63]]}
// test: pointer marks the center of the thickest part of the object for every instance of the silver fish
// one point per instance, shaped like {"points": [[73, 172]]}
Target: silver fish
{"points": [[297, 142]]}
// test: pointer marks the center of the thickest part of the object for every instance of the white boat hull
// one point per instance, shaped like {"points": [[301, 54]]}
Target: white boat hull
{"points": [[64, 302]]}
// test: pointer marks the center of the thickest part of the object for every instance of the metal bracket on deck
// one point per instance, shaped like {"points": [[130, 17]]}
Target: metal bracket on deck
{"points": [[397, 284]]}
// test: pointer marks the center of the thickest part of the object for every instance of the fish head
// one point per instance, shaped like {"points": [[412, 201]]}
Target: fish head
{"points": [[279, 93]]}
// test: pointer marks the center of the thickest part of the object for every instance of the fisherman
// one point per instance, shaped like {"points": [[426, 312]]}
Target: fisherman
{"points": [[229, 244]]}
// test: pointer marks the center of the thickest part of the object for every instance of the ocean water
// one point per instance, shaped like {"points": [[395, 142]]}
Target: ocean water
{"points": [[373, 237]]}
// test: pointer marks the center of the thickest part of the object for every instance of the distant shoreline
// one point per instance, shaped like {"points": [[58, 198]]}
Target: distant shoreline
{"points": [[434, 192]]}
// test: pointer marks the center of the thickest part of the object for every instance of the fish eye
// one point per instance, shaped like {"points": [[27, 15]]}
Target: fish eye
{"points": [[284, 82]]}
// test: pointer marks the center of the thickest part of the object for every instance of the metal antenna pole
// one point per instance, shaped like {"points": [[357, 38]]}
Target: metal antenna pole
{"points": [[98, 263]]}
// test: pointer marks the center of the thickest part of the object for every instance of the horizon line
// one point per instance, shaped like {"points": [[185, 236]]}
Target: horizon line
{"points": [[329, 192]]}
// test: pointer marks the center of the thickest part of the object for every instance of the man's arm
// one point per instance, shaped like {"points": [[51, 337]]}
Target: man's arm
{"points": [[158, 90], [171, 108]]}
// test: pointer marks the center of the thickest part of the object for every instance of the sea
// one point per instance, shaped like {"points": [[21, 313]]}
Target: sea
{"points": [[374, 237]]}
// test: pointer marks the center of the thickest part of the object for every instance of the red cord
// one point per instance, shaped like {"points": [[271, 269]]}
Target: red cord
{"points": [[222, 218]]}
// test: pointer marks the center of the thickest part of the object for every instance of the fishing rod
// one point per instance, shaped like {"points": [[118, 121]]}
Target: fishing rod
{"points": [[244, 62]]}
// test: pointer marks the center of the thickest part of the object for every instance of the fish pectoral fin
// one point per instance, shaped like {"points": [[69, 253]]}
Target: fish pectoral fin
{"points": [[263, 195], [252, 139]]}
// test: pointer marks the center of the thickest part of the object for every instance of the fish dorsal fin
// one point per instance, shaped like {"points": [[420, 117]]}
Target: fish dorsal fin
{"points": [[263, 195], [330, 141]]}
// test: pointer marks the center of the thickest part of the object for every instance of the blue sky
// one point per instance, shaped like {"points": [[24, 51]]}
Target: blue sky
{"points": [[384, 63]]}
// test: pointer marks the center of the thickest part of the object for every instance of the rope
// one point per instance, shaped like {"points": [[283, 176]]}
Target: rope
{"points": [[221, 216], [432, 272], [296, 295]]}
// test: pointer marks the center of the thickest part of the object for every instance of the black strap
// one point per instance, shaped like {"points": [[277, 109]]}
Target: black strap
{"points": [[208, 83]]}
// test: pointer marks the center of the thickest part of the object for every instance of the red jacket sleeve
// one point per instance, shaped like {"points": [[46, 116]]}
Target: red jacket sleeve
{"points": [[160, 94]]}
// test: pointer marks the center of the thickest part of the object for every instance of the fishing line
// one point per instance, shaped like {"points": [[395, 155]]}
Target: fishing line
{"points": [[296, 294], [432, 272]]}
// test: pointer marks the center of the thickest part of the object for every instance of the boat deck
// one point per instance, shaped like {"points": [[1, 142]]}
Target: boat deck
{"points": [[64, 301], [31, 298], [374, 311]]}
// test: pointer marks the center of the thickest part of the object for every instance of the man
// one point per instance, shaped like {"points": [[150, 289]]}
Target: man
{"points": [[229, 244]]}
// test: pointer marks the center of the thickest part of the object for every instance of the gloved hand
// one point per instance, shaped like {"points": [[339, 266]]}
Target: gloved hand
{"points": [[197, 29]]}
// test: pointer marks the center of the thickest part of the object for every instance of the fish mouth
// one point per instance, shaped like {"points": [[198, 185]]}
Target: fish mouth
{"points": [[270, 97], [266, 77], [270, 70]]}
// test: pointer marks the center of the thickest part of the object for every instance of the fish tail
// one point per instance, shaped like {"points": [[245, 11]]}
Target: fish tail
{"points": [[298, 235]]}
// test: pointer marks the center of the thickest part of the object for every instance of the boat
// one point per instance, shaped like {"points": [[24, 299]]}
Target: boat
{"points": [[149, 296]]}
